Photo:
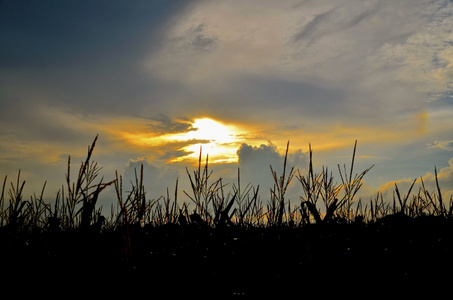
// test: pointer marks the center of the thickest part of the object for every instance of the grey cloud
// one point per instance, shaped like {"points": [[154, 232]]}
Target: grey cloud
{"points": [[262, 96], [52, 33], [310, 29], [195, 41], [199, 40], [165, 124], [174, 150], [70, 55], [254, 163], [156, 177], [332, 21], [34, 123], [257, 159], [172, 154]]}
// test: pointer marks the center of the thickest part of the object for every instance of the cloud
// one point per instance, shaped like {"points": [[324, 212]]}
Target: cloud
{"points": [[157, 177], [444, 145], [164, 124], [67, 55], [333, 20], [254, 165], [295, 50], [197, 39], [424, 59], [171, 151], [388, 188], [199, 58], [52, 34], [232, 38], [445, 179], [254, 161]]}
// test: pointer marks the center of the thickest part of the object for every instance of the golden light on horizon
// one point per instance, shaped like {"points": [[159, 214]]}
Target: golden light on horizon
{"points": [[219, 141]]}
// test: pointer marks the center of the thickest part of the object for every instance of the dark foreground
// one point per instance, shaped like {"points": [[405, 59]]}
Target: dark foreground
{"points": [[396, 255]]}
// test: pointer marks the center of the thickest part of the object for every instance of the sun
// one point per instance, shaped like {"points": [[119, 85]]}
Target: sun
{"points": [[219, 141]]}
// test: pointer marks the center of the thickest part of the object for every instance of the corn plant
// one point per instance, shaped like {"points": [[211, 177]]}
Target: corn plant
{"points": [[312, 188], [247, 207], [276, 207], [166, 213], [203, 192], [322, 186], [15, 214], [350, 186], [432, 202], [84, 192], [378, 208], [211, 203], [403, 208], [38, 210], [135, 209], [2, 204]]}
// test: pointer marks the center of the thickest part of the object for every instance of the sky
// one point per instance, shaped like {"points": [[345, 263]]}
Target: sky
{"points": [[158, 79]]}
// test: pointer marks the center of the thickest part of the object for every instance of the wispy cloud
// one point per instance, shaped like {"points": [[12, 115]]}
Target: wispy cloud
{"points": [[334, 20], [425, 58], [444, 145], [366, 54]]}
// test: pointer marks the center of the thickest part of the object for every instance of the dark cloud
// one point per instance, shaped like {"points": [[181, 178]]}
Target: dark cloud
{"points": [[264, 97], [305, 98], [195, 40], [310, 29], [255, 162], [49, 33], [165, 124], [157, 177], [332, 21], [39, 124], [173, 154], [175, 150], [83, 56], [199, 40]]}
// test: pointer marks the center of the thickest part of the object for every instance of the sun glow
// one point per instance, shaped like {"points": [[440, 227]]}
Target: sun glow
{"points": [[218, 140]]}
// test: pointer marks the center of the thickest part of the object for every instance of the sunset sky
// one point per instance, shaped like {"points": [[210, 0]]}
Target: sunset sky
{"points": [[157, 79]]}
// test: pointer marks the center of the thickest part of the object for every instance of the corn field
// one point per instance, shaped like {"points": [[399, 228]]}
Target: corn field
{"points": [[226, 241]]}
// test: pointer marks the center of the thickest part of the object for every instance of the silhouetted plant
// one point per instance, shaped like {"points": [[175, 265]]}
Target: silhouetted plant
{"points": [[322, 186], [276, 209], [16, 211], [350, 186], [248, 211], [403, 208], [83, 192], [211, 204], [203, 192]]}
